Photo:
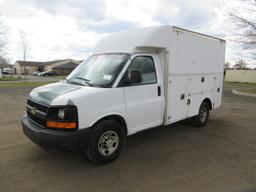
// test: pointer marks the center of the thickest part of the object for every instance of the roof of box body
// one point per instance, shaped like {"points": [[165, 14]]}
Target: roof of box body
{"points": [[127, 41], [149, 37]]}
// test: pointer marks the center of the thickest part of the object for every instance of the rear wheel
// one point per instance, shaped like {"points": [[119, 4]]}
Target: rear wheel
{"points": [[106, 142], [203, 115]]}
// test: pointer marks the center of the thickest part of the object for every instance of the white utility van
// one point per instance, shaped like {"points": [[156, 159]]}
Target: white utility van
{"points": [[135, 80]]}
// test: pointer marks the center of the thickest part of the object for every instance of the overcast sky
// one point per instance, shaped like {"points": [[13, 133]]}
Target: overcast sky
{"points": [[71, 28]]}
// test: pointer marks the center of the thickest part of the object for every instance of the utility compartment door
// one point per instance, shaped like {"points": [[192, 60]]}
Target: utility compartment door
{"points": [[200, 87], [177, 98], [218, 84], [196, 92]]}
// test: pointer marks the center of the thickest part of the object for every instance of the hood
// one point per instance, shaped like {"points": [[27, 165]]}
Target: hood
{"points": [[46, 94]]}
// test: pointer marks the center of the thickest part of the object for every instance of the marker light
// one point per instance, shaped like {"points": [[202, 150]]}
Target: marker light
{"points": [[61, 125]]}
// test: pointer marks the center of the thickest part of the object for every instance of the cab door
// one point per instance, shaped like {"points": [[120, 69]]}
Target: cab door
{"points": [[143, 100]]}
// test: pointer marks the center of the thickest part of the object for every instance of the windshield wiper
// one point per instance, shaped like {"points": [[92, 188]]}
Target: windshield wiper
{"points": [[73, 82], [87, 81]]}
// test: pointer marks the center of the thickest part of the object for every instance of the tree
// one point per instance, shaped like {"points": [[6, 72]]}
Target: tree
{"points": [[3, 61], [24, 45], [241, 64], [2, 39], [227, 65], [244, 18]]}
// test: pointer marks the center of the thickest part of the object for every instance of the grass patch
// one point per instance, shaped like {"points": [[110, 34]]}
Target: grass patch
{"points": [[252, 91], [59, 77], [10, 78], [241, 84], [22, 84]]}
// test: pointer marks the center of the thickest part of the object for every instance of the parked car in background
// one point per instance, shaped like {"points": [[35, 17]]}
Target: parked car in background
{"points": [[6, 73], [36, 73], [49, 73], [40, 74]]}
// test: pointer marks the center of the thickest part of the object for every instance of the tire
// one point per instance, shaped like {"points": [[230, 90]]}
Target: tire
{"points": [[106, 142], [203, 115]]}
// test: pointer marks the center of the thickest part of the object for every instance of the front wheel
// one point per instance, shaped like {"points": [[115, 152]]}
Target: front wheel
{"points": [[203, 115], [106, 142]]}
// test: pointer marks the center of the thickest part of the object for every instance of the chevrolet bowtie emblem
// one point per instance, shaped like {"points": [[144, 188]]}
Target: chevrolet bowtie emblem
{"points": [[33, 110]]}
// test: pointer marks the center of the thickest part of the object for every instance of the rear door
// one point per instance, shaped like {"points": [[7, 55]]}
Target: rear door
{"points": [[144, 101]]}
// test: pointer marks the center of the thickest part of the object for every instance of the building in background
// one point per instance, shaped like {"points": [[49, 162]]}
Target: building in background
{"points": [[34, 66], [65, 69]]}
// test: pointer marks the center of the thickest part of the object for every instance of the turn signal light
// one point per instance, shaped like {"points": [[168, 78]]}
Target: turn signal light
{"points": [[61, 125]]}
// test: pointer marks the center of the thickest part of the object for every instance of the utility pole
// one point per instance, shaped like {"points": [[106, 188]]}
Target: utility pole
{"points": [[24, 59], [24, 49]]}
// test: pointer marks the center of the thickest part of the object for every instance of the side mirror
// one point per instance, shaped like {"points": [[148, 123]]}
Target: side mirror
{"points": [[135, 77]]}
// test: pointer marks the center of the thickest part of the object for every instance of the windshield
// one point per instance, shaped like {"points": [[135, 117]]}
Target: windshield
{"points": [[98, 70]]}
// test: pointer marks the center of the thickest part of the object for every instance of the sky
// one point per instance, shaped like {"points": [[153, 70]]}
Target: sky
{"points": [[71, 28]]}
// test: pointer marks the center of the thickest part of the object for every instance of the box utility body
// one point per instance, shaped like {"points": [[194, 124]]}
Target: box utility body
{"points": [[135, 80]]}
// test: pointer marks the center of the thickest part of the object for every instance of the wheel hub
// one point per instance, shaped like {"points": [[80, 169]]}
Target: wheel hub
{"points": [[108, 143], [203, 114]]}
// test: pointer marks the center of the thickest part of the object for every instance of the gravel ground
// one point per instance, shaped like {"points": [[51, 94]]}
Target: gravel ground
{"points": [[219, 157]]}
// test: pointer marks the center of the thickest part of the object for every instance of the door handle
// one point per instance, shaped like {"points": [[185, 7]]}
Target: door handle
{"points": [[159, 91]]}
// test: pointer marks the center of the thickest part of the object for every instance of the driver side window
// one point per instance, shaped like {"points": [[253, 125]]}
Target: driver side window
{"points": [[143, 64]]}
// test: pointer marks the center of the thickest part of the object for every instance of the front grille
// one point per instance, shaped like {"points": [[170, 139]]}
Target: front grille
{"points": [[38, 106], [37, 112]]}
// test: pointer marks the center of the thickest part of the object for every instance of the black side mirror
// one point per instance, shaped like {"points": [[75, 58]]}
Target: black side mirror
{"points": [[135, 77]]}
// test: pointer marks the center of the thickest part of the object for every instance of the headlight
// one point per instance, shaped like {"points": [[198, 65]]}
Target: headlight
{"points": [[64, 117], [61, 113]]}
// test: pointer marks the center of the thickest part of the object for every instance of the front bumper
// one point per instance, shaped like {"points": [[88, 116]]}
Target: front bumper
{"points": [[55, 139]]}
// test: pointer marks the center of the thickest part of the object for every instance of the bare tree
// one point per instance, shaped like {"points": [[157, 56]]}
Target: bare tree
{"points": [[2, 38], [241, 64], [244, 18], [3, 61], [227, 65]]}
